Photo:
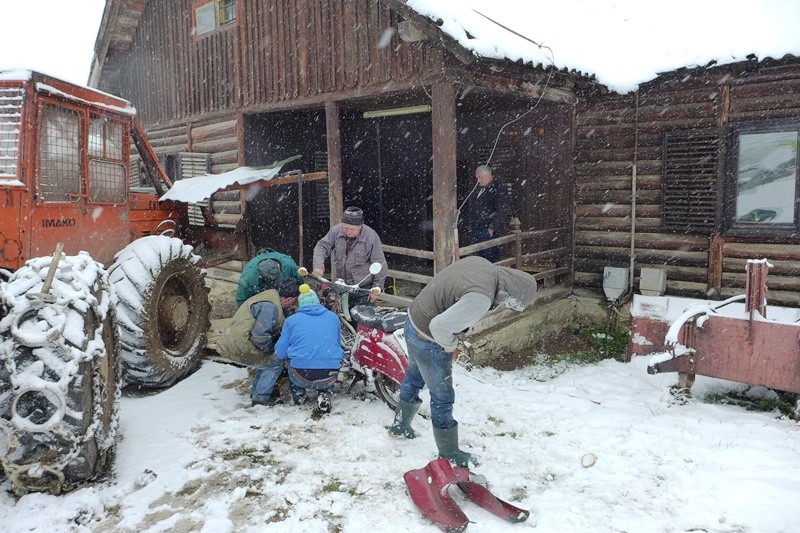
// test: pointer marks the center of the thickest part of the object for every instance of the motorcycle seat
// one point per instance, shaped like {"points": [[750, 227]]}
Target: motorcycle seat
{"points": [[386, 319]]}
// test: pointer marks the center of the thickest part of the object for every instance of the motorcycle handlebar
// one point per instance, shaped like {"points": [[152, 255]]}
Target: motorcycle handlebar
{"points": [[339, 285]]}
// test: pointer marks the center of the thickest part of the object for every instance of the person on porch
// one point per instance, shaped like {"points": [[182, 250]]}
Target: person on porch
{"points": [[487, 210]]}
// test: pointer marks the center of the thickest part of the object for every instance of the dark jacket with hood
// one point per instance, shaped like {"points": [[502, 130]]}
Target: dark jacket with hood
{"points": [[473, 276], [250, 282]]}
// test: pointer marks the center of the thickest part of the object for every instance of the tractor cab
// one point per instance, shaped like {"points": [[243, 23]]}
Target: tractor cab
{"points": [[65, 171]]}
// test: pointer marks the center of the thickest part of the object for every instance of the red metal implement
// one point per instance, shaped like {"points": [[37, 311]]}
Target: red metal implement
{"points": [[428, 490]]}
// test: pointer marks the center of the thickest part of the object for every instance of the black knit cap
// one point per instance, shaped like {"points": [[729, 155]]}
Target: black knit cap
{"points": [[289, 288], [353, 216]]}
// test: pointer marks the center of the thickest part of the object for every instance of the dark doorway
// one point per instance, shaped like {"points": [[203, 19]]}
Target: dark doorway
{"points": [[387, 171], [273, 211]]}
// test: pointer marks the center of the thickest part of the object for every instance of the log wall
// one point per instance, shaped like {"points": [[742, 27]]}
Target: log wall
{"points": [[614, 133]]}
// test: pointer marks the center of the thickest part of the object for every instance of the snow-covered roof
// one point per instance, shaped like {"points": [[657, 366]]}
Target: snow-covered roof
{"points": [[201, 188], [15, 75], [622, 43]]}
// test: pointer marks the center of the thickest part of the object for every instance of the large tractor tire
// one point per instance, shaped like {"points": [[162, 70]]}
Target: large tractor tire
{"points": [[59, 384], [162, 309]]}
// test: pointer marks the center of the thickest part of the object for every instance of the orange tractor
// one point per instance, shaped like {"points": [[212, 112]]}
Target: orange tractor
{"points": [[129, 306]]}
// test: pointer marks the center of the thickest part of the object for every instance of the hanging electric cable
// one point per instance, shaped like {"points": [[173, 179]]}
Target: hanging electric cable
{"points": [[543, 91]]}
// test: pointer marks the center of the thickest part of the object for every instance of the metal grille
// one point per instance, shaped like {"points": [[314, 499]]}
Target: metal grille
{"points": [[190, 165], [59, 154], [690, 180], [107, 181], [320, 161], [193, 164], [322, 207], [105, 139], [11, 99]]}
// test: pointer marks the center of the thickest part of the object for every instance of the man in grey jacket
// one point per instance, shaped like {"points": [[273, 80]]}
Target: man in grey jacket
{"points": [[355, 246], [454, 300]]}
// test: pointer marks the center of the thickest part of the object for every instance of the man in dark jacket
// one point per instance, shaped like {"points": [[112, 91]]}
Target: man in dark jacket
{"points": [[487, 210], [454, 300], [265, 271]]}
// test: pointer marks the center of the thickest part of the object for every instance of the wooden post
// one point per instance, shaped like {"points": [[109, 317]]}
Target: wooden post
{"points": [[755, 297], [51, 272], [334, 138], [715, 251], [515, 229], [443, 116], [300, 218]]}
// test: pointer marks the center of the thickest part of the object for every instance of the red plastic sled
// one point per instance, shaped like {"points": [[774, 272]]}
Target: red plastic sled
{"points": [[428, 490]]}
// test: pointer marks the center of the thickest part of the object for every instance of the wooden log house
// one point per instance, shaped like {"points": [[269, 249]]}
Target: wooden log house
{"points": [[395, 111], [399, 114]]}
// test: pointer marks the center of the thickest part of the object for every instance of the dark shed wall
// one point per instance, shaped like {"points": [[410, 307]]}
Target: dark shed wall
{"points": [[615, 132], [531, 154]]}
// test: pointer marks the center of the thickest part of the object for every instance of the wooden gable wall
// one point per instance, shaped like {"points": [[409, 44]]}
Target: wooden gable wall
{"points": [[614, 132], [276, 51]]}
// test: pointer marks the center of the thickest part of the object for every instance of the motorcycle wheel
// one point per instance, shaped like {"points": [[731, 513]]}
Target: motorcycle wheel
{"points": [[387, 389]]}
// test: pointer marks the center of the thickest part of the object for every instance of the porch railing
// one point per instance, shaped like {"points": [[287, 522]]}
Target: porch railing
{"points": [[550, 263]]}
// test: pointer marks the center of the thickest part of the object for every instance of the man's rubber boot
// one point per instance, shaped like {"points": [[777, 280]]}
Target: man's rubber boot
{"points": [[447, 442], [403, 415]]}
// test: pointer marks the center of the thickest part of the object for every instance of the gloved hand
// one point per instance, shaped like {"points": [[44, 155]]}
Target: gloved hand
{"points": [[373, 293]]}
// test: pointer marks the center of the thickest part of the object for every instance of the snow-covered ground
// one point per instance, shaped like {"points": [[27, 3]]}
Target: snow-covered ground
{"points": [[198, 457]]}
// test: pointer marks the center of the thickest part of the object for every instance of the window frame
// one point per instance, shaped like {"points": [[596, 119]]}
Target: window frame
{"points": [[42, 185], [107, 158], [219, 9], [731, 179]]}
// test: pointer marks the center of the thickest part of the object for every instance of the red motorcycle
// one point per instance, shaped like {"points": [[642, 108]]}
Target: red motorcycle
{"points": [[372, 338]]}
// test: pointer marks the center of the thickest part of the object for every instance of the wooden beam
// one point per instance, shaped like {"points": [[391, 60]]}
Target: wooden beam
{"points": [[443, 116], [424, 254], [334, 138], [409, 276]]}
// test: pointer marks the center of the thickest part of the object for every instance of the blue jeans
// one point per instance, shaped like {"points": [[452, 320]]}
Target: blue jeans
{"points": [[303, 379], [490, 254], [429, 364], [265, 379]]}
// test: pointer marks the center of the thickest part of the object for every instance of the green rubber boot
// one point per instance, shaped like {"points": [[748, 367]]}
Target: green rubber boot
{"points": [[403, 415], [447, 442]]}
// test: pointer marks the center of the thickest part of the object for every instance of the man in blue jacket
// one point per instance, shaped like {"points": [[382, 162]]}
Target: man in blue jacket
{"points": [[310, 340]]}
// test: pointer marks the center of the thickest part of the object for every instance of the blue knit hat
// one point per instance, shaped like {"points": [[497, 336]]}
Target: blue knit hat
{"points": [[307, 296]]}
